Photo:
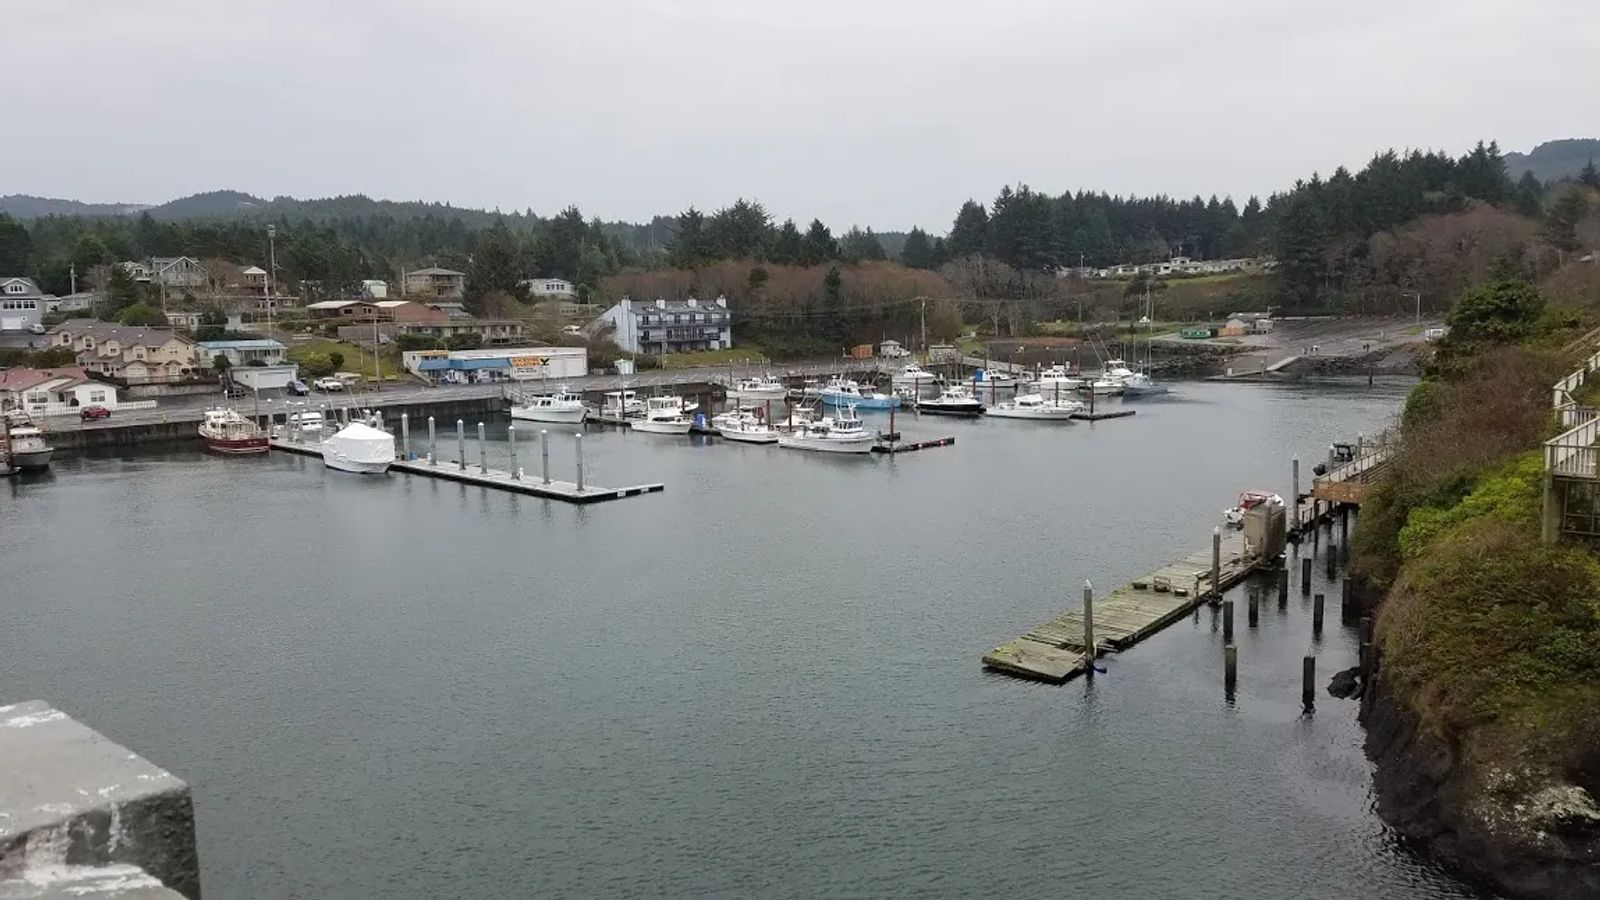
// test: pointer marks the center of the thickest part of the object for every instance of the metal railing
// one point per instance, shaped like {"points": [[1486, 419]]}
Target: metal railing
{"points": [[1572, 454], [1561, 391]]}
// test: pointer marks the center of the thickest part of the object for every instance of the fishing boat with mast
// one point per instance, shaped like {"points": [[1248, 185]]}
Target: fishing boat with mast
{"points": [[562, 407], [1037, 408], [844, 392], [758, 387], [663, 415], [745, 425], [230, 432], [844, 433]]}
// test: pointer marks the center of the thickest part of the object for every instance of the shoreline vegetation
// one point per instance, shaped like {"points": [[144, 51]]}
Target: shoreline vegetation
{"points": [[1486, 719]]}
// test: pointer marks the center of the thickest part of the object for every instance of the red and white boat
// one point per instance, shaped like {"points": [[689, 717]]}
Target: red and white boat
{"points": [[226, 431]]}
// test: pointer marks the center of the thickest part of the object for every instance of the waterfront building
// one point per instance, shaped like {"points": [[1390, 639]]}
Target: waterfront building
{"points": [[669, 326], [493, 364], [42, 391]]}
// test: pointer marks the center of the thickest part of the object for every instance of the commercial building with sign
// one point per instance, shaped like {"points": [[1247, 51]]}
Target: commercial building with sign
{"points": [[496, 364]]}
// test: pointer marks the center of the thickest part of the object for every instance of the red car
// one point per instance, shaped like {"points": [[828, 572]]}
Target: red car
{"points": [[95, 412]]}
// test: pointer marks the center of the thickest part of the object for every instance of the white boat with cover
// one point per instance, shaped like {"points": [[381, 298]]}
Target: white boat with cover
{"points": [[759, 387], [1048, 381], [663, 415], [1036, 407], [913, 376], [359, 448], [561, 407], [844, 433], [746, 426]]}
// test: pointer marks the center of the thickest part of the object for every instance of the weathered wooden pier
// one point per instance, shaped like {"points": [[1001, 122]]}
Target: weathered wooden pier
{"points": [[1060, 648], [515, 479]]}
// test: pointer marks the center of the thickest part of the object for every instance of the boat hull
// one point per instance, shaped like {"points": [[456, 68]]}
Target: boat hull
{"points": [[862, 402], [749, 437], [965, 410], [777, 393], [32, 459], [1051, 415], [558, 416], [354, 466], [822, 445], [238, 446], [649, 427]]}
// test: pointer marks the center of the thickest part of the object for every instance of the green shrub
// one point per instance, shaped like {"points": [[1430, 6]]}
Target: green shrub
{"points": [[1510, 494], [316, 365]]}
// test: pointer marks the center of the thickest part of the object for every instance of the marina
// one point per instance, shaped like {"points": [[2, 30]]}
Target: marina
{"points": [[445, 626]]}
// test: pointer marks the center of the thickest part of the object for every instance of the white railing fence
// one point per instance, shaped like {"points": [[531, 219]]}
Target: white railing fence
{"points": [[63, 409]]}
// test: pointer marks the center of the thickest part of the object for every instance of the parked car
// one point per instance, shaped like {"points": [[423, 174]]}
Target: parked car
{"points": [[573, 331], [1434, 334], [94, 412], [298, 388], [36, 328], [328, 384]]}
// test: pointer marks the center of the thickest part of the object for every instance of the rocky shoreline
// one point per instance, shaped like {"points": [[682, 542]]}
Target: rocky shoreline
{"points": [[1529, 835]]}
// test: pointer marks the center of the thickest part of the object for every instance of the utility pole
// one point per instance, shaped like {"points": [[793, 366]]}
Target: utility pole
{"points": [[72, 273], [1418, 296], [272, 274], [924, 313]]}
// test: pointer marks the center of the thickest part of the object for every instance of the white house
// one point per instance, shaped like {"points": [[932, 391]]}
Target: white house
{"points": [[374, 289], [46, 391], [669, 326], [22, 305], [550, 287]]}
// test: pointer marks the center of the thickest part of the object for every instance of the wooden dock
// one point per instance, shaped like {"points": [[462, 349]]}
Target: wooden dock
{"points": [[1087, 416], [900, 445], [520, 483], [1055, 651]]}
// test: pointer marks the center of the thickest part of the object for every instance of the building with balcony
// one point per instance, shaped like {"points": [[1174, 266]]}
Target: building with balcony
{"points": [[443, 284], [668, 326]]}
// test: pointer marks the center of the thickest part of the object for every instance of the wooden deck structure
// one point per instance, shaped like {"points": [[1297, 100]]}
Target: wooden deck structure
{"points": [[482, 476], [1055, 651]]}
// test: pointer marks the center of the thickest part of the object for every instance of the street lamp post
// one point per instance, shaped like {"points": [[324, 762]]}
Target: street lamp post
{"points": [[1418, 296]]}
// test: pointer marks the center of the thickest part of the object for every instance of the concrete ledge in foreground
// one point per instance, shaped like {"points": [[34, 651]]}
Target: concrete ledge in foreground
{"points": [[83, 817]]}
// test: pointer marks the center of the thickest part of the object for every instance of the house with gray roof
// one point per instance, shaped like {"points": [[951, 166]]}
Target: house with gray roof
{"points": [[668, 326], [22, 304]]}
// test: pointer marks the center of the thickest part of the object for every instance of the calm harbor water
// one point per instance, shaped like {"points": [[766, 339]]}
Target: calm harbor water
{"points": [[762, 682]]}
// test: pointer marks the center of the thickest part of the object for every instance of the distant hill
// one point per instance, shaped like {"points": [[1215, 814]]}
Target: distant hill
{"points": [[27, 206], [1554, 160]]}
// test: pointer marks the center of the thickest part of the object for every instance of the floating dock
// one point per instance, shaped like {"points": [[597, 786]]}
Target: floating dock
{"points": [[520, 483], [1055, 651], [900, 445], [1087, 416]]}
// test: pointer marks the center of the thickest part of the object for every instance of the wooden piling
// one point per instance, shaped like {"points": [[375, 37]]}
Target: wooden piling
{"points": [[1216, 560], [1283, 588], [1227, 621], [1254, 615], [1305, 577], [1316, 615], [1088, 630], [1230, 669], [1308, 682], [1332, 559], [544, 453], [1294, 495], [577, 443]]}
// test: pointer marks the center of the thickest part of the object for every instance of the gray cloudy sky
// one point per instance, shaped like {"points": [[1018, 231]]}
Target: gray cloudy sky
{"points": [[880, 112]]}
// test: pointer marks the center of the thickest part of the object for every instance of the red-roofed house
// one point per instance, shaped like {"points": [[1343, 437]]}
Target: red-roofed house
{"points": [[42, 391]]}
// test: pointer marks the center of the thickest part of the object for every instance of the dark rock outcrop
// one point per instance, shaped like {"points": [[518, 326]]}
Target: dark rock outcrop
{"points": [[1347, 684], [1541, 843]]}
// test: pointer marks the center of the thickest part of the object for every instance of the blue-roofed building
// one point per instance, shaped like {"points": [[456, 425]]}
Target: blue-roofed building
{"points": [[494, 364], [258, 364]]}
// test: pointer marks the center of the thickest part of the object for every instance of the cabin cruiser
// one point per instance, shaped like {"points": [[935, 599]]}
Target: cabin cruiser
{"points": [[663, 415], [361, 447], [228, 431], [845, 392], [745, 425], [913, 376], [562, 407], [621, 404], [1247, 501], [28, 447], [1036, 406], [1056, 378], [1115, 370], [844, 433], [955, 400], [307, 421], [1102, 387], [1140, 384], [761, 387]]}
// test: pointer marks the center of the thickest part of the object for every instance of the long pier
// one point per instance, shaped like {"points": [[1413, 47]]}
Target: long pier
{"points": [[1057, 650], [483, 476]]}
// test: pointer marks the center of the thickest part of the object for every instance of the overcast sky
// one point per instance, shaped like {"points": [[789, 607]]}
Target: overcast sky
{"points": [[886, 113]]}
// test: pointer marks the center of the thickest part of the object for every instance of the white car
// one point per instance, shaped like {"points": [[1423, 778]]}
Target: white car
{"points": [[328, 384]]}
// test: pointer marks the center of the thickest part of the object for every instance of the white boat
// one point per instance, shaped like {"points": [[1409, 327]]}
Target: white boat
{"points": [[622, 403], [1036, 406], [745, 426], [359, 448], [845, 392], [663, 415], [760, 387], [1140, 384], [307, 421], [1048, 381], [562, 407], [955, 400], [229, 431], [29, 449], [842, 434], [1247, 501], [1115, 370], [912, 375], [1102, 387], [811, 389], [798, 417]]}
